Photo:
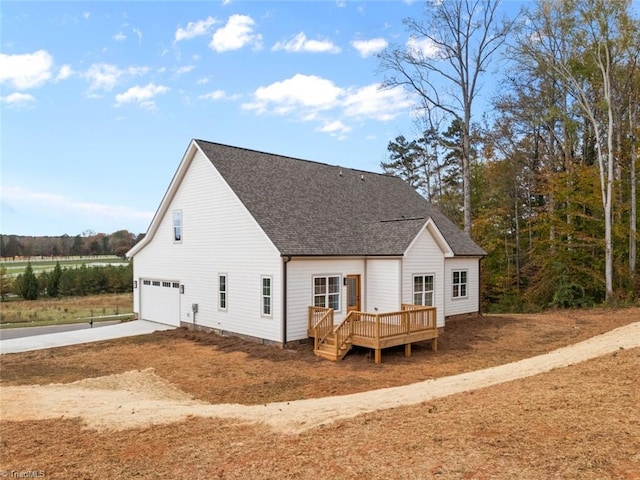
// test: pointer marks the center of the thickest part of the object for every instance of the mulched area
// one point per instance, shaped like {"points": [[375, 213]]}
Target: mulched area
{"points": [[580, 422], [231, 370]]}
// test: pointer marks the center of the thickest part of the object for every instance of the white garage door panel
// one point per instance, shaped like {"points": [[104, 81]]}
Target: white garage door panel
{"points": [[160, 301]]}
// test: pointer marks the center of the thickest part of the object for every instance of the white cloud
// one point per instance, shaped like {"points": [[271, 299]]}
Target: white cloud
{"points": [[18, 99], [25, 198], [119, 37], [215, 95], [376, 103], [143, 96], [335, 128], [300, 43], [65, 72], [184, 69], [219, 95], [203, 80], [104, 76], [299, 91], [25, 71], [422, 47], [194, 29], [138, 34], [367, 48], [86, 15], [313, 99], [237, 33]]}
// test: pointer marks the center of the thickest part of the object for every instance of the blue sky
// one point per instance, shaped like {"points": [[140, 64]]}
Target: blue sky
{"points": [[99, 100]]}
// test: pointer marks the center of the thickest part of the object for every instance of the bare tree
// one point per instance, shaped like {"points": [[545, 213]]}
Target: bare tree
{"points": [[443, 62], [594, 37]]}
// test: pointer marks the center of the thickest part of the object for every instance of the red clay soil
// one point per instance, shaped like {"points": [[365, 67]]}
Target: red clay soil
{"points": [[577, 422]]}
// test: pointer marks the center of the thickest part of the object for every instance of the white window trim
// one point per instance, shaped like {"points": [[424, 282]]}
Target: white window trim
{"points": [[226, 292], [263, 296], [466, 285], [413, 286], [177, 214], [327, 276]]}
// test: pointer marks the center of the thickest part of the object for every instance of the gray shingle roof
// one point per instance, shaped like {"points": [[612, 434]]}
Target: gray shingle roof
{"points": [[310, 208]]}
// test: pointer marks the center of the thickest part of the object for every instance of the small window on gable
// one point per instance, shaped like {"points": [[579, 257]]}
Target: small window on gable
{"points": [[177, 226], [222, 291], [267, 296], [459, 284]]}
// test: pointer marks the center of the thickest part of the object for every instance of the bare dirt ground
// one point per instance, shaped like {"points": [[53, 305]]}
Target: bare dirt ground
{"points": [[577, 422]]}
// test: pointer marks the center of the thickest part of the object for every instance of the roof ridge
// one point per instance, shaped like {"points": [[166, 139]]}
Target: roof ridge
{"points": [[357, 170], [403, 219]]}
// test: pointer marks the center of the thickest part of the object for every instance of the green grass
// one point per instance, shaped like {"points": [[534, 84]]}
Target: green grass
{"points": [[22, 313], [18, 268]]}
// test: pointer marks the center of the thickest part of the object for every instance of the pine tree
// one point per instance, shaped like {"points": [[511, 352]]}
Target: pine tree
{"points": [[29, 286], [53, 288]]}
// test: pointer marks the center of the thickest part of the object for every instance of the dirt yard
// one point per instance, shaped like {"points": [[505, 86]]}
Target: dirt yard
{"points": [[577, 422]]}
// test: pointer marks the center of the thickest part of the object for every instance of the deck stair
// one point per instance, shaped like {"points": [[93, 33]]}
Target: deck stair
{"points": [[327, 348]]}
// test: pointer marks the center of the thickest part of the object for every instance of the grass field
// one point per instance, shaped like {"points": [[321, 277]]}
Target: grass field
{"points": [[54, 311], [15, 268]]}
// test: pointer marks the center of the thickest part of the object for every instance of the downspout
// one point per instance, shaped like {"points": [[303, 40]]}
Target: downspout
{"points": [[480, 286], [285, 260]]}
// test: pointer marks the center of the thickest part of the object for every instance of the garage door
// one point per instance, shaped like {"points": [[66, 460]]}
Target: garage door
{"points": [[160, 301]]}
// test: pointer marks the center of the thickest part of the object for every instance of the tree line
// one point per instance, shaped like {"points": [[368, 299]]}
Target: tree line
{"points": [[88, 243], [65, 282], [546, 180]]}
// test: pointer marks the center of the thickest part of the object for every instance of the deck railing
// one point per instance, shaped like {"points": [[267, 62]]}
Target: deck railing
{"points": [[375, 330], [412, 318], [344, 332], [321, 323]]}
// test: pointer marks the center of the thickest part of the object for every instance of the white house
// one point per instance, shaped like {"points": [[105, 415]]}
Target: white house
{"points": [[244, 241]]}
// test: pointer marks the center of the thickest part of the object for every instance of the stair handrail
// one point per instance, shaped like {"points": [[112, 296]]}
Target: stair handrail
{"points": [[339, 331], [323, 328]]}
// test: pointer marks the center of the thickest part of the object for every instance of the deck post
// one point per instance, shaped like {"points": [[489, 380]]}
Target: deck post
{"points": [[407, 349], [434, 344], [378, 355]]}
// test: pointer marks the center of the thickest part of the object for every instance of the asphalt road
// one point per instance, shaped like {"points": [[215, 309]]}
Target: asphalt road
{"points": [[20, 332]]}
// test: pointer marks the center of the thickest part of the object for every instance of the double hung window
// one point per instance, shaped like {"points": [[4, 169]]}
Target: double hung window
{"points": [[222, 291], [326, 291], [423, 290], [459, 284], [267, 296]]}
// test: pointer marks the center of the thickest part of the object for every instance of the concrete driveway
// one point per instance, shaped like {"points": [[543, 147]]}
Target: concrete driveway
{"points": [[63, 339], [19, 332]]}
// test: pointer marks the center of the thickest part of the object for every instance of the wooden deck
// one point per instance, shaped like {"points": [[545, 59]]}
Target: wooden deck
{"points": [[414, 323]]}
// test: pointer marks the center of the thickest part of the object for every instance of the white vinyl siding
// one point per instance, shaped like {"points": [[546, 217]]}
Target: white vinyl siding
{"points": [[382, 285], [220, 236], [300, 293], [425, 257], [471, 302]]}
